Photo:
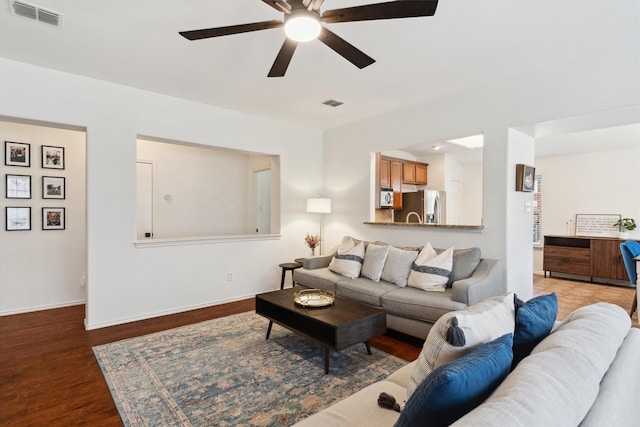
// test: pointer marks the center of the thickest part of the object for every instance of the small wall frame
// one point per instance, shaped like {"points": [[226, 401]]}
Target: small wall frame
{"points": [[525, 177], [17, 154], [17, 218], [52, 157], [53, 219], [53, 187], [18, 186]]}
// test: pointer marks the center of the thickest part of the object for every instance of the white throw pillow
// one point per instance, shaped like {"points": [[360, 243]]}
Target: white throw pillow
{"points": [[348, 259], [431, 271], [480, 323], [374, 259], [398, 265]]}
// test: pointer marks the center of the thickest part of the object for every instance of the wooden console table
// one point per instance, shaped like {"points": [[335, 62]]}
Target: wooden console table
{"points": [[598, 257]]}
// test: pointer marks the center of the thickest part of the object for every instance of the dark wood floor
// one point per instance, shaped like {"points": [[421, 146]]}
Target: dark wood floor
{"points": [[49, 376]]}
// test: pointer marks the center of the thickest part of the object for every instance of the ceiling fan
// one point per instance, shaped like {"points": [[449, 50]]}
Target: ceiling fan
{"points": [[302, 19]]}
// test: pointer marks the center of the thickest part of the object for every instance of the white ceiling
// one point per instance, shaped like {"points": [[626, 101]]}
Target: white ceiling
{"points": [[468, 43]]}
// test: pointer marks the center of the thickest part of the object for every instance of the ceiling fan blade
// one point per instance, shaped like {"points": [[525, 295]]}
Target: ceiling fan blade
{"points": [[281, 63], [346, 49], [232, 29], [388, 10], [279, 5]]}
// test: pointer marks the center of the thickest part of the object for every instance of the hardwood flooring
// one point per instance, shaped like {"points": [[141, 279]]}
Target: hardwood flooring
{"points": [[49, 376]]}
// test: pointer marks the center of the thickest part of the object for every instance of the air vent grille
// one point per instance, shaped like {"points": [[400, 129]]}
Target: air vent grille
{"points": [[35, 12], [333, 103]]}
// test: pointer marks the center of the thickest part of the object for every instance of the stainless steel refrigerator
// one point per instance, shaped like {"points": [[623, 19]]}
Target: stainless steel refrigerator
{"points": [[428, 205]]}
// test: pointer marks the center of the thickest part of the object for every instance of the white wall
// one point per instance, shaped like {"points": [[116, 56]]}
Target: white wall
{"points": [[548, 92], [42, 269], [209, 189], [605, 182], [471, 194], [128, 283]]}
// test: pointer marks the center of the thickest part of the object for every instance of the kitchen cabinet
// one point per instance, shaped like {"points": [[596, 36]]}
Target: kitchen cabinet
{"points": [[389, 172], [597, 257], [414, 173]]}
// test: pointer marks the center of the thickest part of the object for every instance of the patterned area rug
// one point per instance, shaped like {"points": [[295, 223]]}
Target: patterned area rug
{"points": [[224, 373]]}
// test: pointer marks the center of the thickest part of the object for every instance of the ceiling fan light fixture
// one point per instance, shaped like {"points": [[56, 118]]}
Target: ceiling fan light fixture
{"points": [[302, 26]]}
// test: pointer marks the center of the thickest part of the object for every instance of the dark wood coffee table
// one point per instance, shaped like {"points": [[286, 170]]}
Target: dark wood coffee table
{"points": [[336, 327]]}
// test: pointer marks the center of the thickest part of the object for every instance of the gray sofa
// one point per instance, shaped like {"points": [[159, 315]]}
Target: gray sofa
{"points": [[410, 310], [585, 372]]}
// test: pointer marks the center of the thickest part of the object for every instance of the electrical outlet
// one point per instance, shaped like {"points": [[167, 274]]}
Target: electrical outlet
{"points": [[230, 276], [84, 280]]}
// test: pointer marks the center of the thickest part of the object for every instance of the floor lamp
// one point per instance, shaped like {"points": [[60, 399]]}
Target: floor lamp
{"points": [[322, 206]]}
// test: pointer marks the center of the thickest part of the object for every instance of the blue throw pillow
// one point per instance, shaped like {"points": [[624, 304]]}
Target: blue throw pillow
{"points": [[454, 389], [534, 320]]}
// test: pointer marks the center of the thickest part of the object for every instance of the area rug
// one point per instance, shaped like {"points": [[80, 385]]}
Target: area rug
{"points": [[223, 372]]}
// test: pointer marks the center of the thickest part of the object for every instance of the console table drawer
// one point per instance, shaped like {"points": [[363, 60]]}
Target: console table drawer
{"points": [[568, 260]]}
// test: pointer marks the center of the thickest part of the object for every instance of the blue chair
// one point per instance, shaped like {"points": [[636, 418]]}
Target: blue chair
{"points": [[631, 249]]}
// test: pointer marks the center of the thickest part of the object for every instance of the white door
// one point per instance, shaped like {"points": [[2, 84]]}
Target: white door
{"points": [[262, 186], [144, 201]]}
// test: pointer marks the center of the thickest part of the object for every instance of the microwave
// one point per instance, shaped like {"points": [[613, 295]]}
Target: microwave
{"points": [[386, 197]]}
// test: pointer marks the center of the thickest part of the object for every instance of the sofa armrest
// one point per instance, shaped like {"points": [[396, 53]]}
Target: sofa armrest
{"points": [[485, 282], [313, 263]]}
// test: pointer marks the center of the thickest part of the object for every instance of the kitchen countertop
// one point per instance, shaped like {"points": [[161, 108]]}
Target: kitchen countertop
{"points": [[479, 228]]}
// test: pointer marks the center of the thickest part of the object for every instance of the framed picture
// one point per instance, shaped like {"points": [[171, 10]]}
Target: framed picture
{"points": [[17, 154], [597, 225], [18, 186], [525, 177], [53, 187], [52, 157], [18, 218], [53, 218]]}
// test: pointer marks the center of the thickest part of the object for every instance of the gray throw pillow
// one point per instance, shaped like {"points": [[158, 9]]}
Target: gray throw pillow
{"points": [[465, 262], [398, 266], [374, 259]]}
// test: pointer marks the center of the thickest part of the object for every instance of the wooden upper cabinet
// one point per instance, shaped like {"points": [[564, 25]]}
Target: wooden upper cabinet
{"points": [[396, 183], [385, 173], [414, 173]]}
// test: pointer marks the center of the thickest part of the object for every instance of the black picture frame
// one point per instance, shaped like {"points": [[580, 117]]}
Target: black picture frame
{"points": [[54, 187], [53, 218], [17, 186], [17, 218], [17, 154], [525, 177], [52, 157]]}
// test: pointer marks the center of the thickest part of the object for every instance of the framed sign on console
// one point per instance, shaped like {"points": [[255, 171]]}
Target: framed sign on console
{"points": [[597, 225]]}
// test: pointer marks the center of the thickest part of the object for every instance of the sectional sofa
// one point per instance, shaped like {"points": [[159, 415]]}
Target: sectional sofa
{"points": [[410, 310], [585, 372]]}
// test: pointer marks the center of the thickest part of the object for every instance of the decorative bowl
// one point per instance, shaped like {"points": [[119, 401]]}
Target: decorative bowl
{"points": [[314, 298]]}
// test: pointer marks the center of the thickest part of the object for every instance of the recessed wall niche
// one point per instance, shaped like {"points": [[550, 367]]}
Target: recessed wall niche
{"points": [[189, 190]]}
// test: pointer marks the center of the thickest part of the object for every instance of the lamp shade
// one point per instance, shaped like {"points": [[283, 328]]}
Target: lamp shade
{"points": [[319, 205]]}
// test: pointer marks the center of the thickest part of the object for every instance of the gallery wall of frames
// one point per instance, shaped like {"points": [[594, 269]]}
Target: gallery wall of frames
{"points": [[47, 165]]}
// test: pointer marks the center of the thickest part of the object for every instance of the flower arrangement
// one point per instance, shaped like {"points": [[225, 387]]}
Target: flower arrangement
{"points": [[312, 240]]}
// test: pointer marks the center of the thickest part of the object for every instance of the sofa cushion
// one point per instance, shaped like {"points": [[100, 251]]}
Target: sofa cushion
{"points": [[557, 384], [359, 409], [430, 271], [454, 389], [417, 304], [465, 262], [374, 258], [348, 259], [534, 321], [363, 290], [398, 265], [320, 278], [480, 323]]}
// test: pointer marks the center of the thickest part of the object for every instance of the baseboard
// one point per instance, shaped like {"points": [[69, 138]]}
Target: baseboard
{"points": [[41, 308], [153, 315]]}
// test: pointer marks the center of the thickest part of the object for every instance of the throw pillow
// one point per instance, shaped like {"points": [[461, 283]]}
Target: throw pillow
{"points": [[479, 323], [374, 258], [534, 320], [453, 390], [348, 259], [465, 262], [430, 271], [398, 265]]}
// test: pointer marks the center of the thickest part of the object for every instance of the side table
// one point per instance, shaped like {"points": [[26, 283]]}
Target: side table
{"points": [[288, 266]]}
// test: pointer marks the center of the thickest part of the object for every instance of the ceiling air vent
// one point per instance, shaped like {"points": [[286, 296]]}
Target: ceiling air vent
{"points": [[333, 103], [35, 12]]}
